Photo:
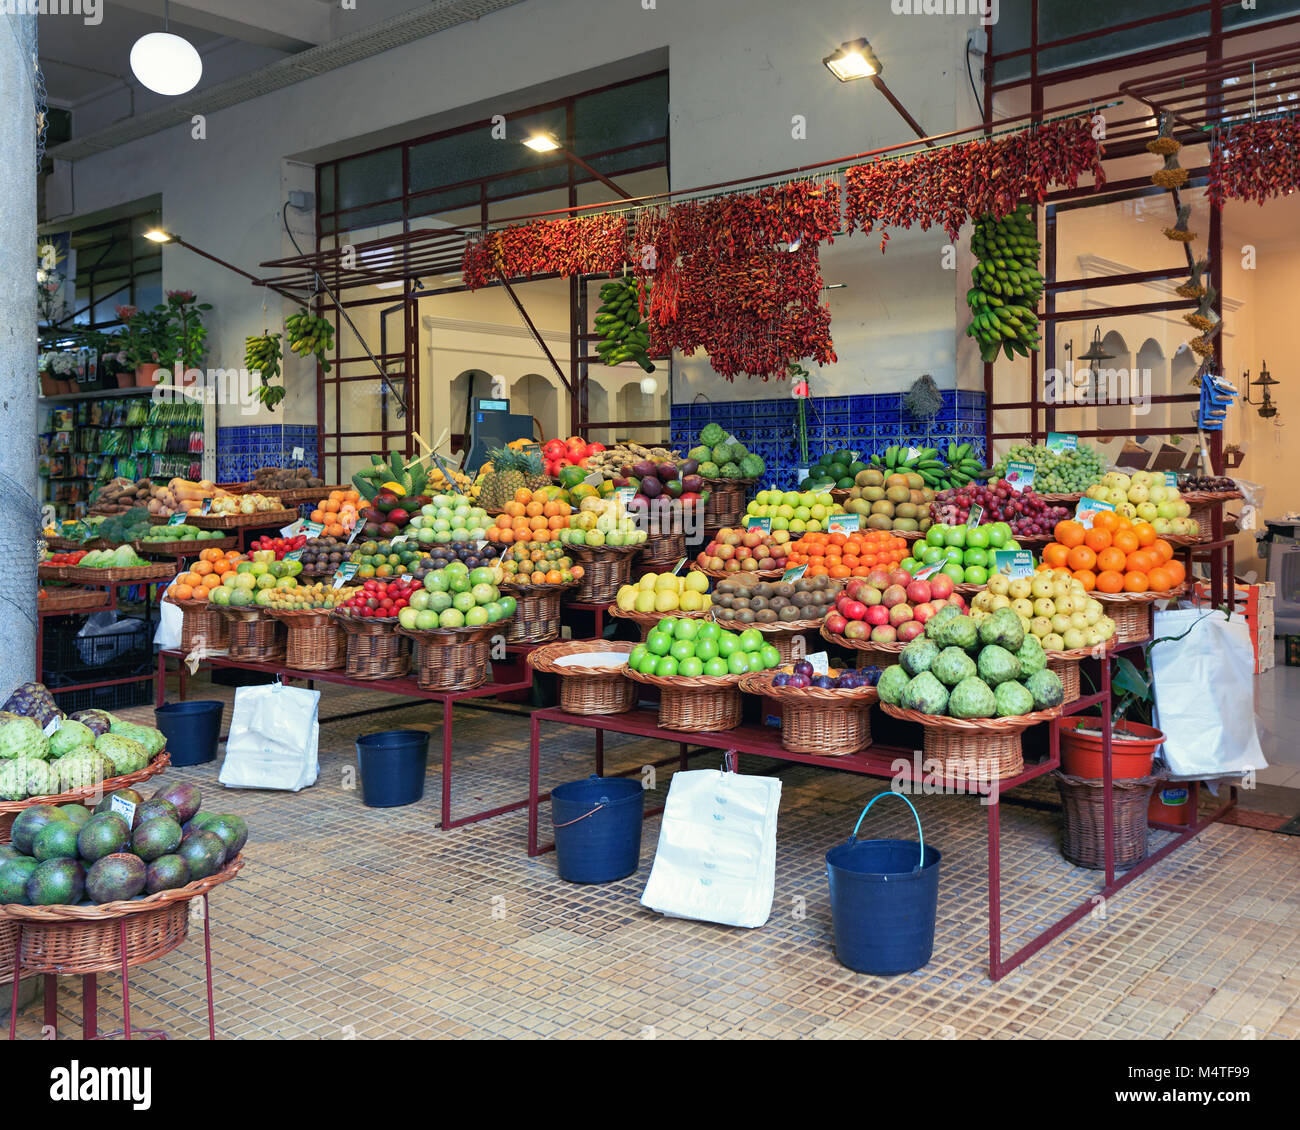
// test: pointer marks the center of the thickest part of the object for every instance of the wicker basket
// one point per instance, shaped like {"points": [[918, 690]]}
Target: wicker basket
{"points": [[1083, 840], [52, 572], [606, 569], [68, 545], [87, 939], [375, 650], [1066, 666], [702, 704], [73, 600], [1062, 499], [537, 612], [829, 723], [299, 495], [184, 547], [255, 637], [740, 574], [451, 659], [726, 502], [869, 654], [663, 550], [974, 749], [314, 642], [202, 625], [1131, 612], [9, 809], [782, 634], [257, 519], [84, 575], [647, 620], [587, 689]]}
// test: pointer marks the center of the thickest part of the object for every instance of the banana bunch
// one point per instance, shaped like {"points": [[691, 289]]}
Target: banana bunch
{"points": [[262, 355], [391, 472], [1007, 285], [939, 470], [618, 321], [309, 334]]}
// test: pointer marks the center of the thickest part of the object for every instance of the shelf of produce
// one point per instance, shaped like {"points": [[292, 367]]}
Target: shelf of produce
{"points": [[405, 686]]}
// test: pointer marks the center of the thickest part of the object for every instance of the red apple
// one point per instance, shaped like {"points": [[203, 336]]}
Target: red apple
{"points": [[753, 537], [895, 594], [918, 592], [854, 610], [884, 634], [836, 623], [958, 600], [900, 614], [941, 585], [878, 579], [900, 577], [856, 630], [939, 602], [923, 612], [743, 553], [877, 614], [854, 586], [910, 630]]}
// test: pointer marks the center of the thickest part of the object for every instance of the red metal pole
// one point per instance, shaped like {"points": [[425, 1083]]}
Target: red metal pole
{"points": [[207, 967]]}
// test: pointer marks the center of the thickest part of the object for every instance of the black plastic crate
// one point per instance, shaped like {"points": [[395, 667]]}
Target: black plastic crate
{"points": [[104, 698], [68, 658]]}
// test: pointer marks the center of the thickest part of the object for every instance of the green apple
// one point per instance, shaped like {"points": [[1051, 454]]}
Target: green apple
{"points": [[408, 617], [451, 618], [716, 666], [690, 667]]}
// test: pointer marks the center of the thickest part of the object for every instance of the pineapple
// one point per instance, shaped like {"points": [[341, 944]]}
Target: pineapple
{"points": [[511, 471]]}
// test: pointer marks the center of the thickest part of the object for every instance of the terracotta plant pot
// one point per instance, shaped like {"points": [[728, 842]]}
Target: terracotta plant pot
{"points": [[49, 385], [65, 388], [1131, 748], [126, 380], [146, 375]]}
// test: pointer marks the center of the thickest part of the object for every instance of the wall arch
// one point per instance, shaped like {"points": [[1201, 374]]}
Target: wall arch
{"points": [[1153, 375], [533, 395]]}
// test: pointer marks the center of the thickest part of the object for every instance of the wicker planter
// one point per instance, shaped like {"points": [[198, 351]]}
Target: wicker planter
{"points": [[537, 612], [313, 641], [703, 704], [829, 723], [1083, 841], [587, 688], [451, 659], [254, 637], [606, 569], [973, 749], [375, 650]]}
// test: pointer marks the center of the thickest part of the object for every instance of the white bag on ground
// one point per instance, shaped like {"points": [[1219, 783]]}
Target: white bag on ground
{"points": [[716, 859], [1205, 694], [274, 735]]}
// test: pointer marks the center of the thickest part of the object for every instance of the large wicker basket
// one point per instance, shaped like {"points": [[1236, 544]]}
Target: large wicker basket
{"points": [[1066, 666], [587, 688], [88, 575], [870, 654], [1131, 611], [314, 641], [88, 939], [375, 650], [537, 611], [974, 749], [663, 550], [1083, 840], [255, 637], [606, 569], [740, 574], [790, 637], [726, 502], [647, 620], [72, 600], [699, 704], [817, 720], [256, 520], [203, 628], [452, 659], [184, 547]]}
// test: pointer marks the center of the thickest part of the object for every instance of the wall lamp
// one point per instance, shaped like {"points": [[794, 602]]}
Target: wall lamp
{"points": [[852, 60]]}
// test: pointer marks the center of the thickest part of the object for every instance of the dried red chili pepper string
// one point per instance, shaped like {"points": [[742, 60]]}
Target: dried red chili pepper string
{"points": [[1255, 161]]}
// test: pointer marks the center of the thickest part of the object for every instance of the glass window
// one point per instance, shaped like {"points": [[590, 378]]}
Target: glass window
{"points": [[374, 176], [115, 267], [623, 115]]}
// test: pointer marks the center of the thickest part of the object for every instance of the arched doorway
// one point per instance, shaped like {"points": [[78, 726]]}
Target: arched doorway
{"points": [[1152, 379], [1111, 385], [465, 387]]}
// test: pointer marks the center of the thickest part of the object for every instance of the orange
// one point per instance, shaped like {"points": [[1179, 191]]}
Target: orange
{"points": [[1135, 582], [1160, 579], [1125, 540], [578, 572], [1110, 559], [1163, 548], [1055, 554], [534, 509], [523, 494], [1143, 561], [554, 577], [1176, 568], [1110, 581], [1097, 539], [200, 593], [202, 568], [1146, 533], [1081, 557], [182, 592], [1087, 578], [1106, 520], [1069, 534], [841, 571]]}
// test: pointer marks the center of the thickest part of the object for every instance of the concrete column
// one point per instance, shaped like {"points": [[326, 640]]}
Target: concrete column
{"points": [[20, 514]]}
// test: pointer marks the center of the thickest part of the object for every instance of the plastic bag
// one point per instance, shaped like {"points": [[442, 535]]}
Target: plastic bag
{"points": [[1205, 694], [274, 739], [716, 859], [103, 638], [168, 633]]}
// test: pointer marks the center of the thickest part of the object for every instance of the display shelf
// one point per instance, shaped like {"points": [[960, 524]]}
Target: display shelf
{"points": [[98, 394]]}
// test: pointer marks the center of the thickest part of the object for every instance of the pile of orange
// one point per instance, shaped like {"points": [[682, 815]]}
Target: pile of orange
{"points": [[338, 512], [529, 518], [847, 555], [204, 575], [1116, 555]]}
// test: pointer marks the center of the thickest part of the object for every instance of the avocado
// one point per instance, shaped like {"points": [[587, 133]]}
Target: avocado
{"points": [[115, 878], [153, 809], [57, 882], [232, 831], [57, 840], [156, 837], [204, 852], [166, 873], [14, 874], [77, 813], [185, 799], [103, 834], [106, 805], [30, 821]]}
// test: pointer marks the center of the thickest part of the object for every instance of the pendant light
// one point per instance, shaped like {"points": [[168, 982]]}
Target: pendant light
{"points": [[166, 63]]}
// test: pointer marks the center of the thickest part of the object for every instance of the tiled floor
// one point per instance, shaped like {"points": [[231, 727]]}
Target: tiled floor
{"points": [[355, 922]]}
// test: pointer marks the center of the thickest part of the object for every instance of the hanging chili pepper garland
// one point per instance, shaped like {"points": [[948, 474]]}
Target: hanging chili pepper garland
{"points": [[1255, 161]]}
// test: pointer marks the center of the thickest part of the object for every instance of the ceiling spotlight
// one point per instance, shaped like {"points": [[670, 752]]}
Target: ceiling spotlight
{"points": [[852, 60], [542, 143], [158, 235]]}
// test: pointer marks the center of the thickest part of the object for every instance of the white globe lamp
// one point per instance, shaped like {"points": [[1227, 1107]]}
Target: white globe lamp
{"points": [[166, 63]]}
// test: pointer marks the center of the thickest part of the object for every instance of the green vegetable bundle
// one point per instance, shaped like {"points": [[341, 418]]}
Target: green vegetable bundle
{"points": [[1007, 285], [392, 469], [625, 334]]}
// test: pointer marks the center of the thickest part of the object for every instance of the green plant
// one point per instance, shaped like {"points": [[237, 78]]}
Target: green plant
{"points": [[145, 338], [183, 323]]}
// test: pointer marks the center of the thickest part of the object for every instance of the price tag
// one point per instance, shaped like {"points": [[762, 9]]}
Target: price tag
{"points": [[297, 455], [355, 531], [912, 453], [293, 555], [624, 496], [924, 574], [480, 545], [843, 523], [821, 662], [754, 522], [1088, 508], [399, 539], [53, 726], [292, 530], [976, 515], [1013, 563], [1062, 441], [313, 529], [205, 507], [1171, 479], [594, 479], [344, 573], [678, 567], [124, 808], [1020, 476], [791, 575], [731, 439], [177, 519], [446, 471], [800, 473]]}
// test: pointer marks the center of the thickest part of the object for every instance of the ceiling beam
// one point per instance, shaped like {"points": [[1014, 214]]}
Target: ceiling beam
{"points": [[287, 25]]}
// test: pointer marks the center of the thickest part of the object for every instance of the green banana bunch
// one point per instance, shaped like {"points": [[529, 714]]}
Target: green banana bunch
{"points": [[391, 468], [309, 334], [625, 334], [1006, 285], [262, 355], [940, 470]]}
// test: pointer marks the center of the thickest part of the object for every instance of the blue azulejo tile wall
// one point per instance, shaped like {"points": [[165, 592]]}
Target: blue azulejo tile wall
{"points": [[241, 451], [865, 424]]}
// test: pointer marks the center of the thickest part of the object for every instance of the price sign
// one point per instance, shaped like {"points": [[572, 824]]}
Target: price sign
{"points": [[292, 530], [912, 453], [821, 662], [1062, 441], [843, 523], [53, 726], [399, 539], [1089, 508], [344, 573], [1013, 563], [792, 575], [976, 515], [177, 519], [481, 544], [678, 567], [205, 507], [293, 555], [800, 473], [446, 471], [754, 522], [124, 808], [1171, 479], [930, 570], [731, 439], [313, 529], [355, 531], [624, 496], [1020, 476], [594, 479], [297, 455]]}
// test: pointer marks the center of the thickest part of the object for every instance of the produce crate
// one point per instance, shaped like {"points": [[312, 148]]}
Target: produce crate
{"points": [[91, 659], [1255, 604], [104, 698]]}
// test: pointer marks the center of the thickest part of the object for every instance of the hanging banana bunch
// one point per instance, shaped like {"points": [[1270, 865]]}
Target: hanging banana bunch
{"points": [[1007, 285], [262, 356], [309, 335], [618, 321]]}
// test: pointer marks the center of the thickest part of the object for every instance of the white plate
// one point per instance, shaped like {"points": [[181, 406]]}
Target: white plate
{"points": [[593, 659]]}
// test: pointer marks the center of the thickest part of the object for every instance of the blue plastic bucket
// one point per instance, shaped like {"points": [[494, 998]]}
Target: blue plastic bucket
{"points": [[392, 764], [884, 899], [598, 828], [191, 729]]}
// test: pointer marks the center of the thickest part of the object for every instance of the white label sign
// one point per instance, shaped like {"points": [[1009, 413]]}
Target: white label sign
{"points": [[124, 808], [821, 663]]}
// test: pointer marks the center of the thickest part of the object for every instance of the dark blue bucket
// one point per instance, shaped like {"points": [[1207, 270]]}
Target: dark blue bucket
{"points": [[191, 729], [598, 828], [884, 899], [392, 764]]}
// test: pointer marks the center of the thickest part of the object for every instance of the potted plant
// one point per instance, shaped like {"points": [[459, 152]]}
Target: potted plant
{"points": [[144, 342], [49, 379], [58, 369], [186, 333]]}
